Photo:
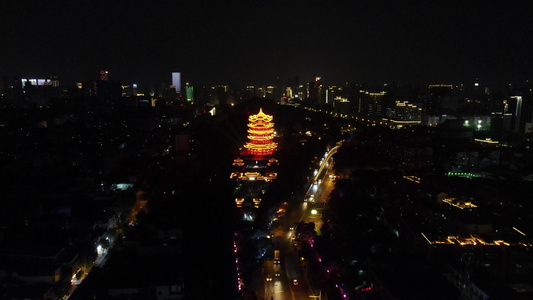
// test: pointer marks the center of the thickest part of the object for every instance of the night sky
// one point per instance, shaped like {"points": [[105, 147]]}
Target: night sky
{"points": [[255, 42]]}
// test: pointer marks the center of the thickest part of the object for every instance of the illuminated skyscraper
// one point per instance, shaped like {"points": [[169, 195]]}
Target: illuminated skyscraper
{"points": [[176, 81], [189, 91]]}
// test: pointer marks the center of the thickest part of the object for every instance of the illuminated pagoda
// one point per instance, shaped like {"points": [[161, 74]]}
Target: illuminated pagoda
{"points": [[260, 135], [256, 165]]}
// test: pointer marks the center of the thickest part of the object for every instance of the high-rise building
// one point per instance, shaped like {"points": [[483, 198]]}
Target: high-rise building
{"points": [[440, 100], [52, 81], [249, 92], [371, 103], [521, 108], [291, 90], [189, 91], [38, 91], [202, 95], [331, 93], [406, 111], [315, 88], [129, 90], [220, 95], [301, 92], [341, 105], [289, 93], [176, 81], [270, 90], [501, 124]]}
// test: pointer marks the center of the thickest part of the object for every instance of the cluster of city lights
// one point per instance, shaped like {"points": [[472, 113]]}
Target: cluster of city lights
{"points": [[412, 178], [254, 176], [459, 204], [472, 240], [462, 174]]}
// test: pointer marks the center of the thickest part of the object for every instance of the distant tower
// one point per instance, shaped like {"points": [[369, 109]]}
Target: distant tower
{"points": [[176, 81], [104, 75], [315, 88]]}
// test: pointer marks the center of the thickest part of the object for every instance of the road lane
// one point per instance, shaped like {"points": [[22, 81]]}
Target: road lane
{"points": [[281, 288]]}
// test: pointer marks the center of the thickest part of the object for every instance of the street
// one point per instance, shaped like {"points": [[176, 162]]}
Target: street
{"points": [[289, 278]]}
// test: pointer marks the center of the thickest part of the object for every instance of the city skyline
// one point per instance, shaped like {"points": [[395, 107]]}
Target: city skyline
{"points": [[264, 42], [266, 149]]}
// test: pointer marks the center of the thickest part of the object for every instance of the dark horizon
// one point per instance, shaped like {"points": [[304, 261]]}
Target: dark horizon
{"points": [[256, 43]]}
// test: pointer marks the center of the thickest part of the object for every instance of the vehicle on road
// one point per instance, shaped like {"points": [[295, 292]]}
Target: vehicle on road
{"points": [[295, 282], [276, 257], [269, 277]]}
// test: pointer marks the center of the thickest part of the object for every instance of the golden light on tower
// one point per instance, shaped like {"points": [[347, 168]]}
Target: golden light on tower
{"points": [[255, 167], [260, 135]]}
